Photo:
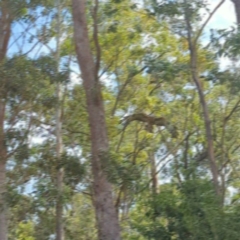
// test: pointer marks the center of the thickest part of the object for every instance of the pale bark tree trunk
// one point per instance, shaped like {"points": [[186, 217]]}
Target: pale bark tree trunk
{"points": [[106, 215], [3, 158], [59, 144], [3, 208], [60, 174], [237, 10], [5, 31], [207, 121], [154, 174]]}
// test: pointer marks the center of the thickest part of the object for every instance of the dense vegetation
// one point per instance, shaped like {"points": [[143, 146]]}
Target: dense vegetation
{"points": [[118, 120]]}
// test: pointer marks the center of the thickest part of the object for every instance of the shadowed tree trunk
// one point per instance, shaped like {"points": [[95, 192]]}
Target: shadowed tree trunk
{"points": [[237, 10], [200, 90], [207, 121], [59, 144], [106, 215], [3, 158], [5, 31]]}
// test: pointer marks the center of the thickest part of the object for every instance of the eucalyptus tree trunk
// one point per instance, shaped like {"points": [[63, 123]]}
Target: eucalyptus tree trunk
{"points": [[154, 173], [206, 117], [106, 215], [3, 159], [59, 144], [237, 10], [192, 44], [5, 32]]}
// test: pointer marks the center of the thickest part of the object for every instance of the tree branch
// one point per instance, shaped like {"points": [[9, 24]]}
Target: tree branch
{"points": [[206, 22], [232, 111]]}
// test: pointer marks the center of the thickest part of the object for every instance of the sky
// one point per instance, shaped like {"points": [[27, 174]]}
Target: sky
{"points": [[224, 18]]}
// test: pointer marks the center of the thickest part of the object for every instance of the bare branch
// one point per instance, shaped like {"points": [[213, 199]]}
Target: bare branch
{"points": [[207, 20], [152, 121], [232, 111]]}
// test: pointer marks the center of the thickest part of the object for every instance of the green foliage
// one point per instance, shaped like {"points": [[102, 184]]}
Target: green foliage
{"points": [[80, 219], [25, 231], [190, 212], [144, 69], [120, 169]]}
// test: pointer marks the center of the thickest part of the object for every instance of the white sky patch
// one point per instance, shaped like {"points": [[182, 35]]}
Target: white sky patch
{"points": [[75, 78], [224, 18]]}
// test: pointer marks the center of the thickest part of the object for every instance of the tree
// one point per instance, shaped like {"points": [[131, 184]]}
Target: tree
{"points": [[106, 214], [5, 31], [148, 87], [59, 141], [192, 43]]}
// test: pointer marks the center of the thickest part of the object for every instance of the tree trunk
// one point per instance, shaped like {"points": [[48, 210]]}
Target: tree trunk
{"points": [[207, 122], [237, 10], [60, 171], [5, 31], [154, 175], [3, 158], [59, 144], [106, 215], [3, 209]]}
